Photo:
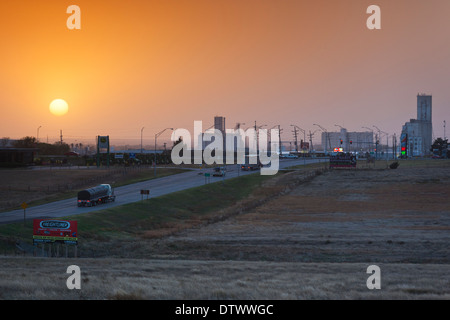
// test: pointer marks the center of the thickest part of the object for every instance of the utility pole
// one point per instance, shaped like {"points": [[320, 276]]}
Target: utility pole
{"points": [[296, 141], [279, 139], [310, 141], [61, 137], [257, 135], [444, 130], [394, 146], [387, 144], [377, 137], [304, 138], [376, 146]]}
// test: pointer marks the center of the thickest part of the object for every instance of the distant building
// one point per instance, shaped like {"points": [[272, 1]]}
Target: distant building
{"points": [[219, 124], [351, 141], [420, 131]]}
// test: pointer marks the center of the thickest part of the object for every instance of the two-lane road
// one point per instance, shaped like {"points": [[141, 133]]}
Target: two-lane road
{"points": [[131, 193]]}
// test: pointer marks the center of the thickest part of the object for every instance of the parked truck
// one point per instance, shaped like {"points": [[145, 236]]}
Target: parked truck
{"points": [[96, 195]]}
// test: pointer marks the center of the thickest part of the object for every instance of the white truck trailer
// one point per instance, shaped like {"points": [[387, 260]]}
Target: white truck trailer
{"points": [[96, 195]]}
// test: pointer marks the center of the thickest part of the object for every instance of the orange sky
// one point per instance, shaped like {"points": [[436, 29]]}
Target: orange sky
{"points": [[166, 63]]}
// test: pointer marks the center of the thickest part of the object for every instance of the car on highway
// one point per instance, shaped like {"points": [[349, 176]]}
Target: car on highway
{"points": [[289, 156], [219, 171], [251, 167]]}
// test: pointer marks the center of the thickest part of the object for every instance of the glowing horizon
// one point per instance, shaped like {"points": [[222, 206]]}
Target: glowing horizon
{"points": [[158, 64]]}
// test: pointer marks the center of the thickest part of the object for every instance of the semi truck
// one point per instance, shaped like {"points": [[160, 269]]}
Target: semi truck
{"points": [[251, 163], [96, 195]]}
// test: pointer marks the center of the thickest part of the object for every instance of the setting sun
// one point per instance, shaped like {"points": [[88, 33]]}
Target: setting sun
{"points": [[59, 107]]}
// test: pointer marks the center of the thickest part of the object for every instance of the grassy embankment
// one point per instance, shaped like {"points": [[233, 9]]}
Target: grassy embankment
{"points": [[37, 187], [153, 217], [384, 164]]}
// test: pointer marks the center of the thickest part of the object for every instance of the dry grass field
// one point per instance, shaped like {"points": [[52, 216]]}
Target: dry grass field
{"points": [[48, 184], [136, 279], [314, 240], [384, 216]]}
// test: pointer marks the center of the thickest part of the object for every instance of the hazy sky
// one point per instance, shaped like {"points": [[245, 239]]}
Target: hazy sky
{"points": [[166, 63]]}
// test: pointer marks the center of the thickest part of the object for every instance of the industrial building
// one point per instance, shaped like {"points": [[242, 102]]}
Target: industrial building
{"points": [[419, 132], [349, 141], [219, 124]]}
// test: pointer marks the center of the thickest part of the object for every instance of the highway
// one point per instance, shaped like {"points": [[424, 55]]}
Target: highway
{"points": [[131, 193]]}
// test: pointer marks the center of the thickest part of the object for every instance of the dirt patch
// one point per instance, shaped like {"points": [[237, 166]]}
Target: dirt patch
{"points": [[383, 216]]}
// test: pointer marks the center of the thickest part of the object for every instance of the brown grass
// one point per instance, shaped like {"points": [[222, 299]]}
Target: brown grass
{"points": [[36, 186], [294, 239], [129, 279]]}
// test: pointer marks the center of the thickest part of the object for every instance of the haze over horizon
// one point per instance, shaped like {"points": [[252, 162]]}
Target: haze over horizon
{"points": [[159, 64]]}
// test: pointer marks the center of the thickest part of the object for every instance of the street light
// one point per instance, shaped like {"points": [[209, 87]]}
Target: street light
{"points": [[270, 140], [141, 138], [311, 148], [327, 135], [371, 130], [377, 129], [156, 136], [378, 137], [387, 137], [37, 135]]}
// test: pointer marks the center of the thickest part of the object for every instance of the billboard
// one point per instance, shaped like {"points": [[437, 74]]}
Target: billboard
{"points": [[304, 145], [103, 147], [343, 161], [49, 231], [103, 142]]}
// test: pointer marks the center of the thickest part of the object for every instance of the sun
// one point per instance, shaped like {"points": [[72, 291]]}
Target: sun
{"points": [[59, 107]]}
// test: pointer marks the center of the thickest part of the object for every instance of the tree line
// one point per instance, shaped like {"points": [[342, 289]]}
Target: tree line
{"points": [[56, 148]]}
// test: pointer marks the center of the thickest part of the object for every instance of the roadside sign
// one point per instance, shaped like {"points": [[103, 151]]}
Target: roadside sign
{"points": [[343, 161], [24, 206], [147, 192], [132, 155], [207, 177], [49, 231]]}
